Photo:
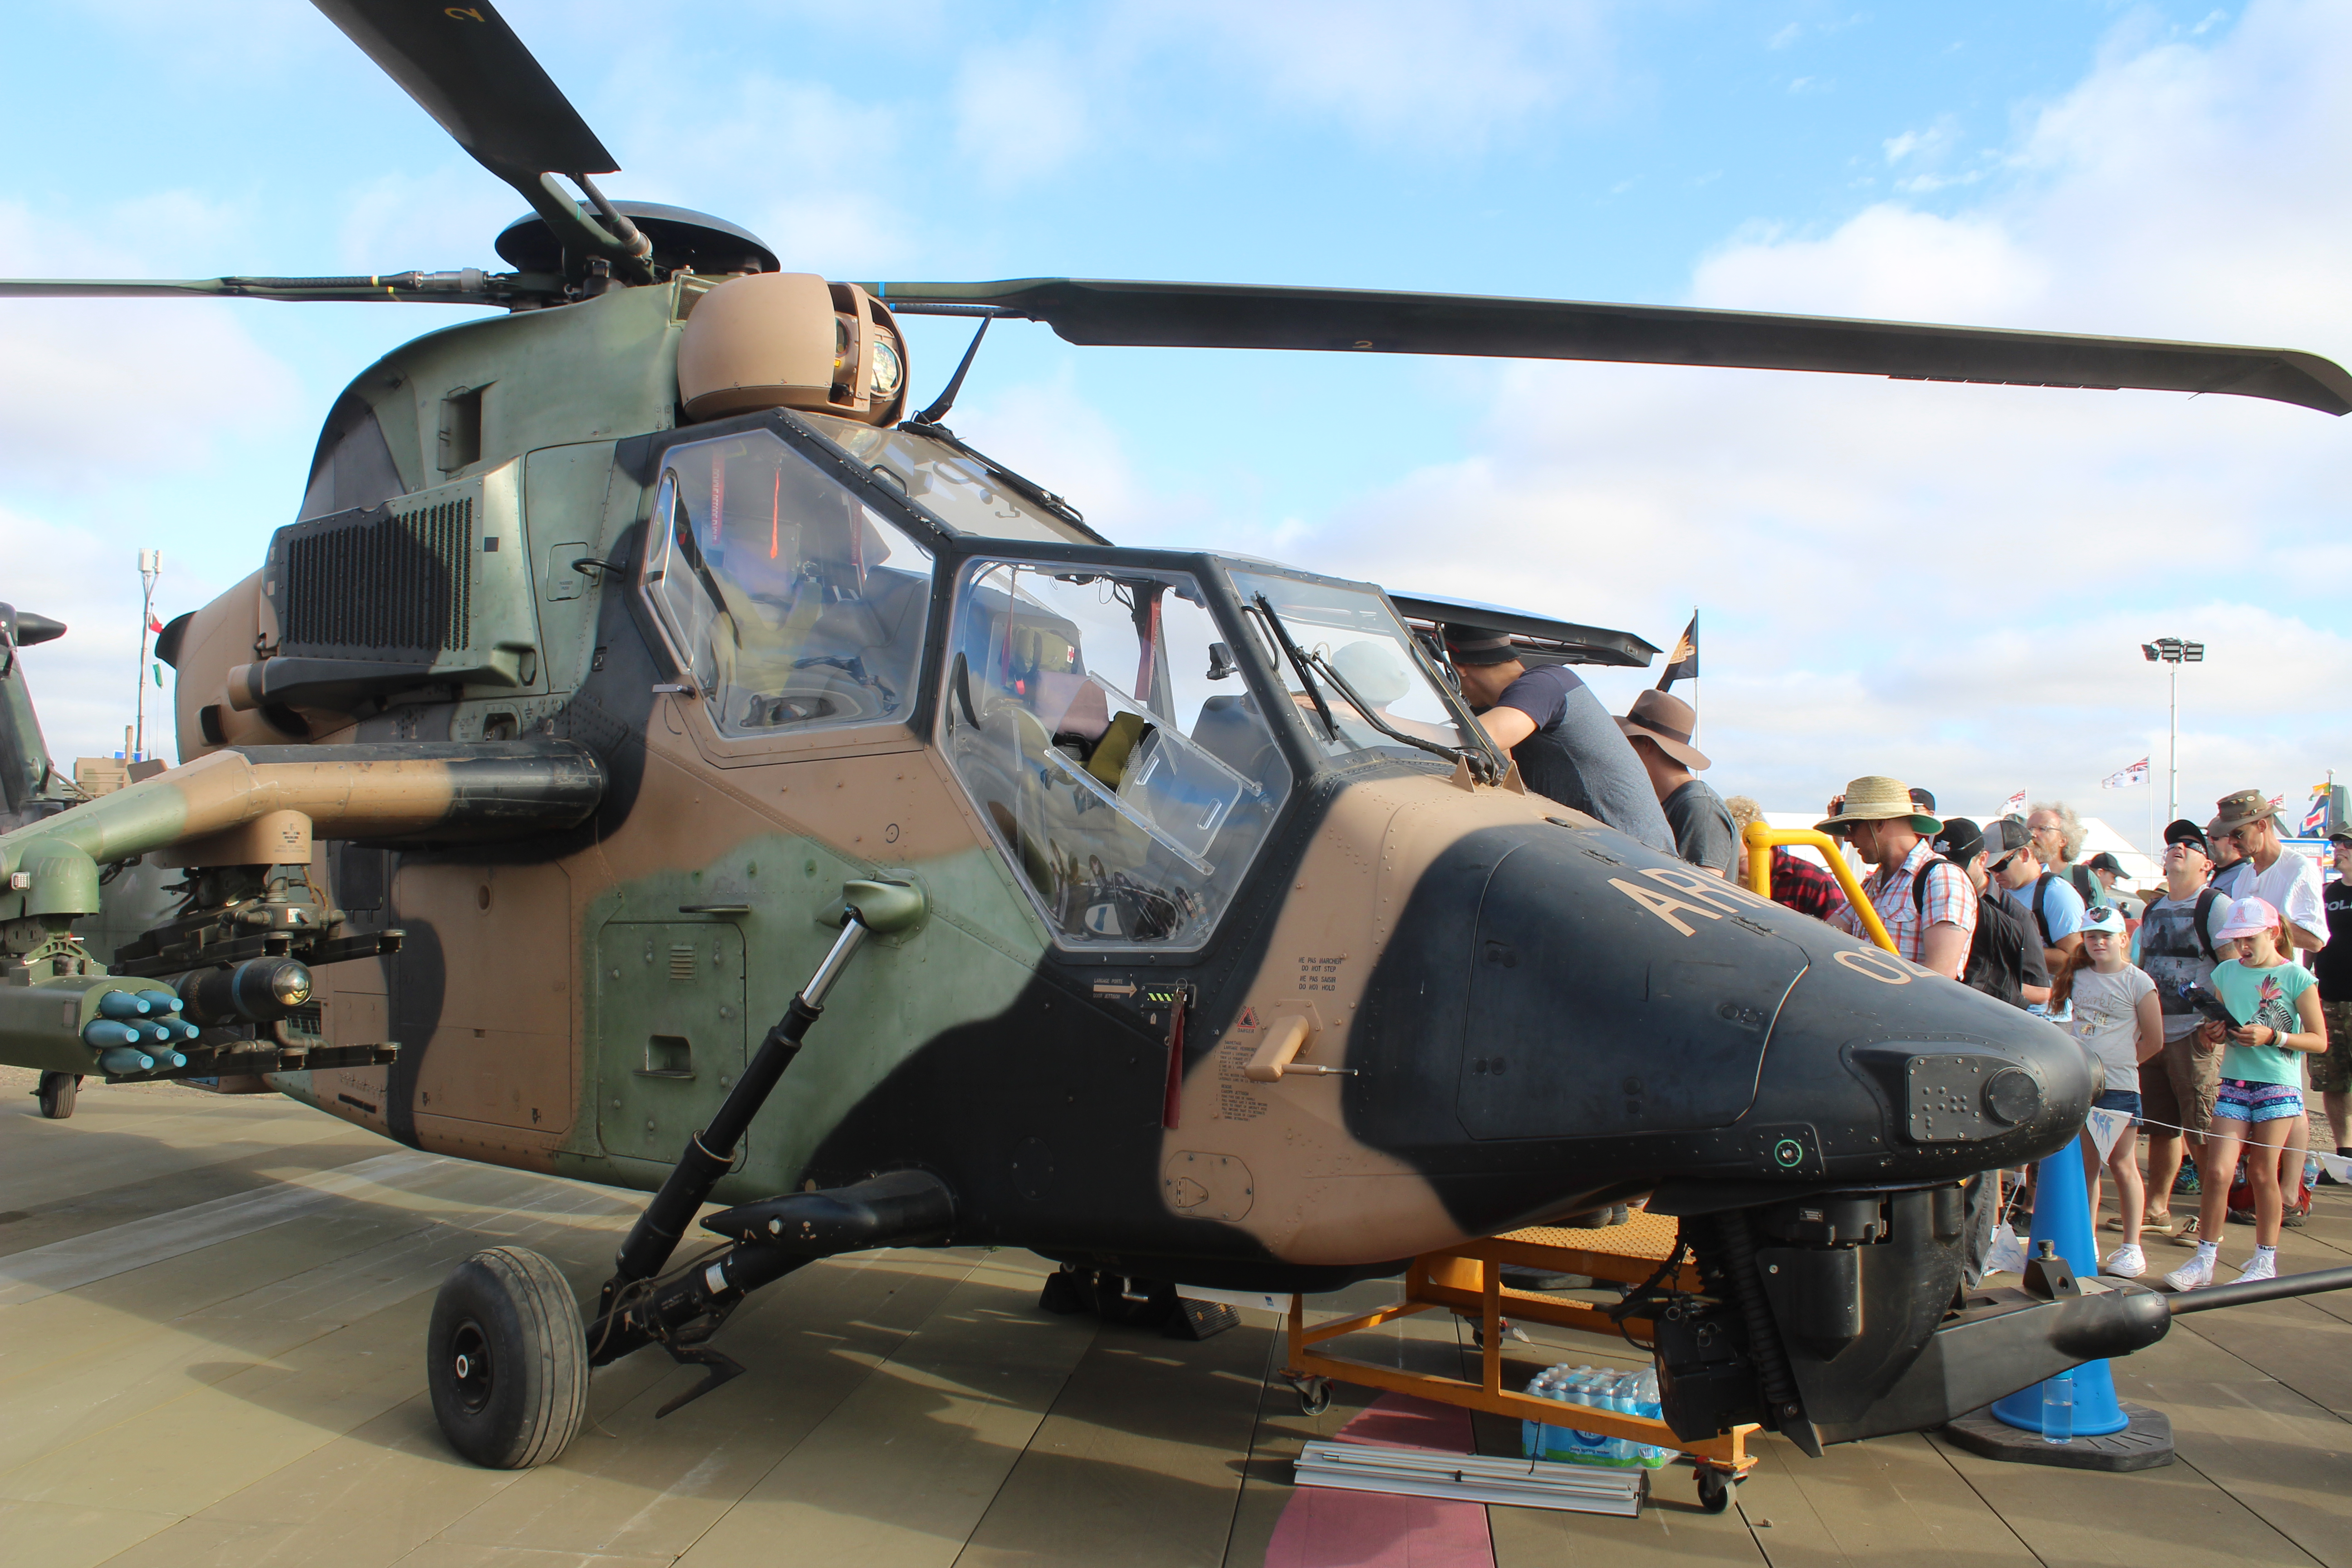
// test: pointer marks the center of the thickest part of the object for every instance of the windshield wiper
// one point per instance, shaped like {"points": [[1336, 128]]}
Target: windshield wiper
{"points": [[1479, 763], [1298, 662], [1309, 665]]}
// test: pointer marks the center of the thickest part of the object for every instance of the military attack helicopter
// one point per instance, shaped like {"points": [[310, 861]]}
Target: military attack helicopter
{"points": [[639, 670]]}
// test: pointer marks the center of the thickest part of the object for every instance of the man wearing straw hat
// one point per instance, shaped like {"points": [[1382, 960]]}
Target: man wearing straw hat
{"points": [[1889, 832]]}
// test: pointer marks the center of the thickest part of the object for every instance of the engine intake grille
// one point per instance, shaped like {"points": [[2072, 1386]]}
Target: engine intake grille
{"points": [[396, 583]]}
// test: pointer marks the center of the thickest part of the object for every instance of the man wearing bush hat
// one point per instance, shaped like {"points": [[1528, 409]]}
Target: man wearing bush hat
{"points": [[1880, 820]]}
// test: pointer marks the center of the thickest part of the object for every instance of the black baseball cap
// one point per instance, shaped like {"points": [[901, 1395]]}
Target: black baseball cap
{"points": [[1923, 800], [2104, 860], [1961, 840], [2183, 831], [1475, 645]]}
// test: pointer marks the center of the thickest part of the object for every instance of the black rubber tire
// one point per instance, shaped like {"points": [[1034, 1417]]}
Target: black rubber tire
{"points": [[1714, 1491], [56, 1094], [517, 1394]]}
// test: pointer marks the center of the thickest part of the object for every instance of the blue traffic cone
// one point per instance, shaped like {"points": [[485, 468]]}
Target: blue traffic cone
{"points": [[2061, 1217]]}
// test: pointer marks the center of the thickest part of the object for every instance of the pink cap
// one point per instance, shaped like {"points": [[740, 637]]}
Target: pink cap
{"points": [[2248, 916]]}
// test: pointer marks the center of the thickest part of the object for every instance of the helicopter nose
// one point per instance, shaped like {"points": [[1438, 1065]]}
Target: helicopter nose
{"points": [[1564, 1002], [1900, 1074]]}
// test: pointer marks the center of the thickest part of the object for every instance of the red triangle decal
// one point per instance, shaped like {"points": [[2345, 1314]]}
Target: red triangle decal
{"points": [[1248, 1019]]}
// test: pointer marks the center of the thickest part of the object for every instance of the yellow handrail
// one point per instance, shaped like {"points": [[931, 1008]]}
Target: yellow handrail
{"points": [[1762, 839]]}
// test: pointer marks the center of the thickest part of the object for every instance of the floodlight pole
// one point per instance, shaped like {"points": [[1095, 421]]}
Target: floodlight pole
{"points": [[2173, 652]]}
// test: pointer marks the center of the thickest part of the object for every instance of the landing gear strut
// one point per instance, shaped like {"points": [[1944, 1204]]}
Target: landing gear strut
{"points": [[507, 1357]]}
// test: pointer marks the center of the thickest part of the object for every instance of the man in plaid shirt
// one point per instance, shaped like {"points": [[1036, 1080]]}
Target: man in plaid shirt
{"points": [[1879, 818], [1797, 883]]}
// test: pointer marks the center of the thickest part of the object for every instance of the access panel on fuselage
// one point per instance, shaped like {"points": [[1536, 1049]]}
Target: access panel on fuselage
{"points": [[669, 1032]]}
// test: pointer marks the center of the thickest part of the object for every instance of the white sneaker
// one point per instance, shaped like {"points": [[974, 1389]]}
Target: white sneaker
{"points": [[2194, 1275], [2264, 1266], [2125, 1262]]}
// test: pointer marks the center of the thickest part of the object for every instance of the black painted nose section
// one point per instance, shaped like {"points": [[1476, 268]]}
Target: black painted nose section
{"points": [[1564, 1011]]}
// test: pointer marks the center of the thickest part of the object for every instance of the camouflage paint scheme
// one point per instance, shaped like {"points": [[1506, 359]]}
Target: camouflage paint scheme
{"points": [[1539, 1012]]}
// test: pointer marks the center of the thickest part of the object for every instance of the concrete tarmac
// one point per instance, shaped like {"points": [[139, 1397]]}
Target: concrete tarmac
{"points": [[212, 1313]]}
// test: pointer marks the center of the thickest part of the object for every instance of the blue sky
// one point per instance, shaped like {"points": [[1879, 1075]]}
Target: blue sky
{"points": [[1944, 582]]}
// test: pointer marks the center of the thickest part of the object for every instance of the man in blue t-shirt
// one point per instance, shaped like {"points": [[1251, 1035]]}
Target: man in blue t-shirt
{"points": [[1566, 745]]}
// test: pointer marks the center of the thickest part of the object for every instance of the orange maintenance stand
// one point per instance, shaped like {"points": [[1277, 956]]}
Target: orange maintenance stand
{"points": [[1467, 1280]]}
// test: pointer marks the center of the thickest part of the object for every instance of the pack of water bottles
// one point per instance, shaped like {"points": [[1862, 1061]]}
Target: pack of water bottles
{"points": [[1604, 1388]]}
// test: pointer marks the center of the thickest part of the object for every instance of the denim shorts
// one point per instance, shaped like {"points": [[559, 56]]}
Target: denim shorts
{"points": [[2123, 1100], [2251, 1102]]}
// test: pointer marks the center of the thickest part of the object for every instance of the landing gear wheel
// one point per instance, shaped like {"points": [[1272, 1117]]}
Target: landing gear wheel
{"points": [[507, 1360], [56, 1094], [1714, 1489]]}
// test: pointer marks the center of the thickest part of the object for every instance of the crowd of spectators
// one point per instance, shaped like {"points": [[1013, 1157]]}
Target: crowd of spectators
{"points": [[2212, 1001]]}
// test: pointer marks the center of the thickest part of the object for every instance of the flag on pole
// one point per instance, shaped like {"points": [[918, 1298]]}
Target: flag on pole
{"points": [[153, 624], [2013, 806], [2124, 778], [2278, 802], [1683, 663], [2315, 821]]}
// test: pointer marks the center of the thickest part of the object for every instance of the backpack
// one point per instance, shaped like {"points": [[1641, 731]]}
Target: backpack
{"points": [[1997, 963], [2197, 918], [2087, 886], [2041, 915]]}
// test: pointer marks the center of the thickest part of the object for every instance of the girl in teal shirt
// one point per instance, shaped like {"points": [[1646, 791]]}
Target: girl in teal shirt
{"points": [[2276, 1003]]}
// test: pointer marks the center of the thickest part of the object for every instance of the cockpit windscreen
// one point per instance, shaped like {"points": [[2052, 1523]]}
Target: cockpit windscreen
{"points": [[1102, 727]]}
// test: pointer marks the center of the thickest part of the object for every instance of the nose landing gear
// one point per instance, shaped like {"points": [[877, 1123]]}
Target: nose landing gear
{"points": [[506, 1360]]}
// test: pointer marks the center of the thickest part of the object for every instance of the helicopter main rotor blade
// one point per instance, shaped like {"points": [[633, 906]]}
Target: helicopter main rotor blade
{"points": [[465, 66], [1233, 316], [469, 286]]}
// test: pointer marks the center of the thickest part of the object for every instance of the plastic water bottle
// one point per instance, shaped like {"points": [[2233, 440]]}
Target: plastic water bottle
{"points": [[1625, 1397], [1532, 1434], [1647, 1405], [2058, 1408]]}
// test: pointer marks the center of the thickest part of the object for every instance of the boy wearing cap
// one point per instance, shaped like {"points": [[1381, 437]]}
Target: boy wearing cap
{"points": [[1568, 747], [2057, 910], [2332, 1074], [1660, 728], [1934, 929], [2178, 942], [2274, 1003]]}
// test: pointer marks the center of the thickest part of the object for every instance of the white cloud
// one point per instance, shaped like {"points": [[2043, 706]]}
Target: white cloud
{"points": [[1020, 113], [99, 392], [1436, 73], [1951, 582]]}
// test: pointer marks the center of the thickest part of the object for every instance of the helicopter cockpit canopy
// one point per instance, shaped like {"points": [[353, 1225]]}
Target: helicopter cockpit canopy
{"points": [[790, 603], [1098, 720], [1127, 763]]}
